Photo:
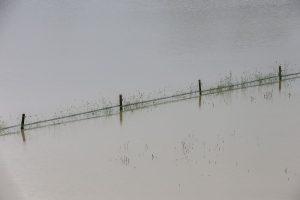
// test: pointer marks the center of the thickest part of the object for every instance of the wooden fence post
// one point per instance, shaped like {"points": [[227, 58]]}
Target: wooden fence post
{"points": [[200, 91], [121, 102], [280, 73], [200, 87], [23, 122]]}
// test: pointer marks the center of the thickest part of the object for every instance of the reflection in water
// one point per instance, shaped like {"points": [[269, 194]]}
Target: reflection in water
{"points": [[268, 95], [279, 85], [125, 160], [121, 117], [124, 154], [200, 101], [23, 135]]}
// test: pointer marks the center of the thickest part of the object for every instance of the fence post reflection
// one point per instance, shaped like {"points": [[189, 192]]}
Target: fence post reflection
{"points": [[23, 135], [200, 101], [121, 117]]}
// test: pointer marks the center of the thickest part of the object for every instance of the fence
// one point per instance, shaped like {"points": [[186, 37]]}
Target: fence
{"points": [[129, 106]]}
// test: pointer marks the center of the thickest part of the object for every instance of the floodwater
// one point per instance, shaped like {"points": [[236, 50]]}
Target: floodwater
{"points": [[237, 145], [68, 54]]}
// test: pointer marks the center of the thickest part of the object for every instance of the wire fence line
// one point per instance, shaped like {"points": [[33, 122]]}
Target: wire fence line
{"points": [[129, 106]]}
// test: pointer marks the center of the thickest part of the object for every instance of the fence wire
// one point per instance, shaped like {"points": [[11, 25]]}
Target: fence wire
{"points": [[113, 110]]}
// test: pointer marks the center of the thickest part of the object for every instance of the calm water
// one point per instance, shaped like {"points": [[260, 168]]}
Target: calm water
{"points": [[239, 145], [61, 53]]}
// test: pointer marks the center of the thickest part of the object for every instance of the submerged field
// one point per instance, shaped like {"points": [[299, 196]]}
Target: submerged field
{"points": [[242, 144], [62, 57]]}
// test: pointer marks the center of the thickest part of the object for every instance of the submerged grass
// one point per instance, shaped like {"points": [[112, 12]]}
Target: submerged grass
{"points": [[105, 108], [2, 124]]}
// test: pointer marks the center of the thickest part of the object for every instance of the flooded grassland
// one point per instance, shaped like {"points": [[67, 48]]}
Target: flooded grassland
{"points": [[67, 55]]}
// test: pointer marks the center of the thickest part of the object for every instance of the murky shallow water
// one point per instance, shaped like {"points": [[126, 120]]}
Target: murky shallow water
{"points": [[54, 54], [239, 145]]}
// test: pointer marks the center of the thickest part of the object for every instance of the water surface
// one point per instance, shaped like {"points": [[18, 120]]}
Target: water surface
{"points": [[57, 54], [239, 145]]}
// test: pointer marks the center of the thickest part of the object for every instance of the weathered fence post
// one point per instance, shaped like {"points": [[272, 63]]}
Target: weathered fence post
{"points": [[200, 87], [279, 76], [23, 122], [121, 102], [200, 91], [280, 73]]}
